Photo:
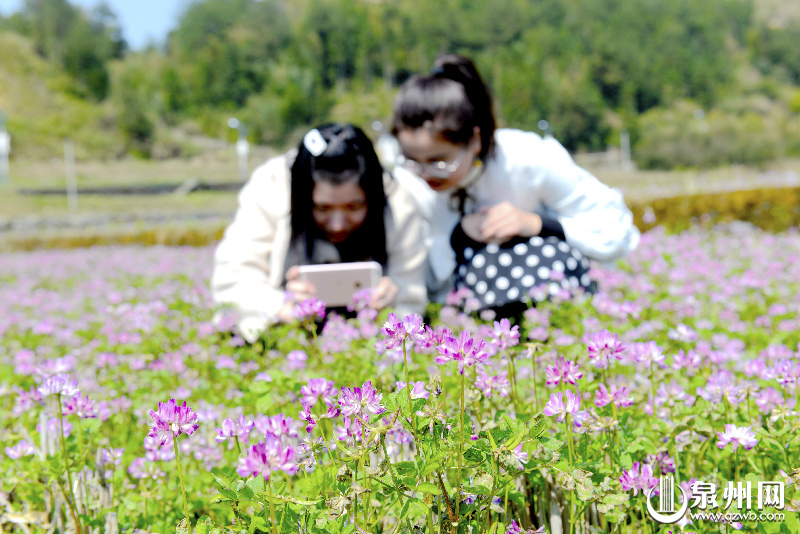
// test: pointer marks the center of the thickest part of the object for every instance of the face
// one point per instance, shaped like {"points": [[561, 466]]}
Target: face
{"points": [[338, 210], [429, 148]]}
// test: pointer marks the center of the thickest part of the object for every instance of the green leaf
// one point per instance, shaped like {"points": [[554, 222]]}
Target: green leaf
{"points": [[245, 493], [616, 498], [390, 402], [478, 490], [552, 443], [256, 484], [427, 487], [484, 479], [437, 461], [405, 468], [538, 426], [229, 494]]}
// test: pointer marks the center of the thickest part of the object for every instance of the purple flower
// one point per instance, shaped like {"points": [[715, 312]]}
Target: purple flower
{"points": [[308, 417], [81, 406], [520, 457], [604, 396], [239, 428], [563, 369], [358, 400], [280, 425], [396, 330], [602, 346], [464, 350], [633, 480], [58, 385], [418, 390], [737, 435], [662, 461], [172, 420], [23, 448], [267, 456], [649, 353], [318, 387], [140, 469], [433, 338], [514, 528], [295, 360], [309, 309], [504, 335], [487, 383], [350, 431], [556, 406], [112, 456]]}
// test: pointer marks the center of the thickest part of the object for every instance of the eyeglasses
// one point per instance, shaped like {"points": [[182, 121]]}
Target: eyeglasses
{"points": [[437, 169]]}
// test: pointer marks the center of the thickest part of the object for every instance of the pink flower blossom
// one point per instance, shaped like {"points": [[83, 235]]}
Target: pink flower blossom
{"points": [[556, 406], [172, 420], [602, 346], [504, 335], [396, 331], [620, 396], [563, 370], [309, 309], [318, 387], [23, 448], [58, 385], [633, 480], [234, 428], [267, 456], [357, 401], [418, 390], [464, 350], [737, 435]]}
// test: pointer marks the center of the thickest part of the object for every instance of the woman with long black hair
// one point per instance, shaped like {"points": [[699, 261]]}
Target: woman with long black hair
{"points": [[329, 201]]}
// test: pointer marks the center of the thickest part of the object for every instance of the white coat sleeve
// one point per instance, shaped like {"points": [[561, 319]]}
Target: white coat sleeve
{"points": [[595, 218], [241, 276], [406, 252]]}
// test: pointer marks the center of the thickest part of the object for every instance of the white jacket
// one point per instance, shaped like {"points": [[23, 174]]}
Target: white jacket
{"points": [[535, 175], [249, 261]]}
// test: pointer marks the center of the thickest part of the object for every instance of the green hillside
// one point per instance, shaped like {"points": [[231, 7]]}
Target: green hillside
{"points": [[695, 84], [41, 109]]}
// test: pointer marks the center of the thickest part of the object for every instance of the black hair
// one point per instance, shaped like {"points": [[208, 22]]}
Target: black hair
{"points": [[453, 97], [348, 157]]}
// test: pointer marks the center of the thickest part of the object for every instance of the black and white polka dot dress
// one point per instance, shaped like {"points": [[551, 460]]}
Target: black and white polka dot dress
{"points": [[502, 274]]}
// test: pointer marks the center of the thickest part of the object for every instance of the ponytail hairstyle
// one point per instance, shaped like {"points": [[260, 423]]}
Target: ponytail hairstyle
{"points": [[344, 154], [453, 99]]}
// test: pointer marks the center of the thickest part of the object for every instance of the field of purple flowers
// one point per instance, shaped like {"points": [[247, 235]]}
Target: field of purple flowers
{"points": [[125, 407]]}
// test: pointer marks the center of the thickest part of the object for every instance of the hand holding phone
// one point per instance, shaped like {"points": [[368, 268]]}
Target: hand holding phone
{"points": [[336, 283]]}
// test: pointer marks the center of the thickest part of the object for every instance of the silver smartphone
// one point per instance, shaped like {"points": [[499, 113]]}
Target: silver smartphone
{"points": [[336, 282]]}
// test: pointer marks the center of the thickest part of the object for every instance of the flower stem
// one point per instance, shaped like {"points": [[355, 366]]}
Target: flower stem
{"points": [[460, 455], [72, 502], [535, 393], [183, 487], [238, 447], [408, 392], [272, 507], [652, 387]]}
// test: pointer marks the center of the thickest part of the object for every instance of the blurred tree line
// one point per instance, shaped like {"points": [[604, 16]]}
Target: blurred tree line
{"points": [[589, 67]]}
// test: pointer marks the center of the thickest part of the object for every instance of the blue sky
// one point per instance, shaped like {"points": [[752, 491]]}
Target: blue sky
{"points": [[142, 21]]}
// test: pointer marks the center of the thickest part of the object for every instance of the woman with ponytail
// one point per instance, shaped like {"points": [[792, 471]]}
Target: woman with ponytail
{"points": [[510, 214]]}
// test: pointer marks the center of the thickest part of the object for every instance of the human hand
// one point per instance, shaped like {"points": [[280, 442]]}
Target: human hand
{"points": [[504, 220], [471, 224], [384, 293], [300, 290]]}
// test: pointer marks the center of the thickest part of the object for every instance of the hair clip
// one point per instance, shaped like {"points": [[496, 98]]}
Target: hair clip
{"points": [[314, 142]]}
